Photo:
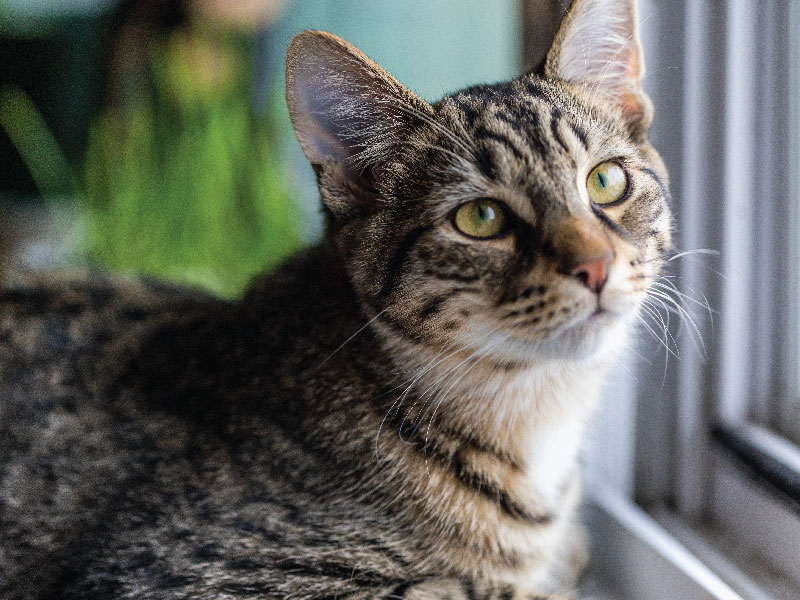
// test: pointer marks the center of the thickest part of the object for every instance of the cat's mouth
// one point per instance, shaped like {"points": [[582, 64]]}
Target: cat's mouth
{"points": [[583, 335], [593, 321], [597, 318], [598, 313]]}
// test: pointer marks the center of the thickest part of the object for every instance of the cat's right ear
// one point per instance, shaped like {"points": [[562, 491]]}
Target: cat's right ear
{"points": [[350, 116]]}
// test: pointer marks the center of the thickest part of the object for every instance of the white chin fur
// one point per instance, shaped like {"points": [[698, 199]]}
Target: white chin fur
{"points": [[605, 335]]}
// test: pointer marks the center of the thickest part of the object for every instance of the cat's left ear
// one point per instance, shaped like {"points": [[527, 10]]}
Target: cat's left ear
{"points": [[350, 116], [598, 46]]}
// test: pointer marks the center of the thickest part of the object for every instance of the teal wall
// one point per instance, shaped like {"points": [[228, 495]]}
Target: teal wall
{"points": [[433, 46]]}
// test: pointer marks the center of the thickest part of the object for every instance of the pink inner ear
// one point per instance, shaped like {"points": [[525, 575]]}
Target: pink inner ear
{"points": [[598, 47], [630, 102], [317, 127], [598, 43]]}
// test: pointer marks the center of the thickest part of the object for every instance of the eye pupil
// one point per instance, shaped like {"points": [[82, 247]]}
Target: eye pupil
{"points": [[601, 179]]}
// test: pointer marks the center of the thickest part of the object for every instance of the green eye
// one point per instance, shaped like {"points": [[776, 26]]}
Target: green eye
{"points": [[480, 218], [607, 183]]}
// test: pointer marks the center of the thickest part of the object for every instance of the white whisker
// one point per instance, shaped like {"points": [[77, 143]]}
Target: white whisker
{"points": [[652, 331], [687, 317], [348, 340], [707, 251]]}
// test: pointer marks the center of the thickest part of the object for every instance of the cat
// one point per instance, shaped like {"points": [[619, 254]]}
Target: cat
{"points": [[394, 413]]}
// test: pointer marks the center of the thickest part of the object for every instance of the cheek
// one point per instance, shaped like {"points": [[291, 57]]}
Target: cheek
{"points": [[382, 252], [479, 264], [450, 292], [646, 220]]}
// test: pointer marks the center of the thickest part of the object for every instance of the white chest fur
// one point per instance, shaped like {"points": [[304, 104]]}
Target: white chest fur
{"points": [[551, 457], [558, 402]]}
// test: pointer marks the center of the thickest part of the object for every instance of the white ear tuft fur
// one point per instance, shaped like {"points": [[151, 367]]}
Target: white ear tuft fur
{"points": [[598, 46]]}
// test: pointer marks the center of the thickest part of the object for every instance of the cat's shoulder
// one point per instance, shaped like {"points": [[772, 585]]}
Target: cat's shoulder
{"points": [[310, 275]]}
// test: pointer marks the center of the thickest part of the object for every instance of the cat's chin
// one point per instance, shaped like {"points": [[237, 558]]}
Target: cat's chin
{"points": [[600, 334]]}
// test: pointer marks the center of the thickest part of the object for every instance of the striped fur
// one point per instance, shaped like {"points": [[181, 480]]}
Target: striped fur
{"points": [[395, 413]]}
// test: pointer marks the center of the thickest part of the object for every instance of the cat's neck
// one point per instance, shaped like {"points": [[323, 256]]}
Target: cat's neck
{"points": [[491, 456], [504, 408], [532, 416], [536, 416]]}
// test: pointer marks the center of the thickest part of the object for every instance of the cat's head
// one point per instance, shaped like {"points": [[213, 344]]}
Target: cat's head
{"points": [[516, 220]]}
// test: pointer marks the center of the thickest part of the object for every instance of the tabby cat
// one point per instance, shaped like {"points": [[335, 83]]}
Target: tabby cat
{"points": [[395, 413]]}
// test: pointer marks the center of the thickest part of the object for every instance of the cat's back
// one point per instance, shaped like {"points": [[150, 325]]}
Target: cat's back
{"points": [[59, 448], [146, 432], [95, 336], [55, 332]]}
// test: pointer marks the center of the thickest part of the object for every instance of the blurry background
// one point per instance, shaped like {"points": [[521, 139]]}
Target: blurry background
{"points": [[151, 136]]}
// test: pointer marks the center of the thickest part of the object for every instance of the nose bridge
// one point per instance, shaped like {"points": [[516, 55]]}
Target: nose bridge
{"points": [[582, 250], [579, 239]]}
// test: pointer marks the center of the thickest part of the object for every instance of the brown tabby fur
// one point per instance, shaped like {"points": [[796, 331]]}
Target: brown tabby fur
{"points": [[395, 413]]}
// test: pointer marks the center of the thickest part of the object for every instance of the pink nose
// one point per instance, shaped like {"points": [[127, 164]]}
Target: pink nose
{"points": [[593, 272]]}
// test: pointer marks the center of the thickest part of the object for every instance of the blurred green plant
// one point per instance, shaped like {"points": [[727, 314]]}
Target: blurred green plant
{"points": [[185, 182]]}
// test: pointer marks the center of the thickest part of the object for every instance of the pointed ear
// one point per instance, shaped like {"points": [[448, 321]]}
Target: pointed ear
{"points": [[598, 46], [349, 115]]}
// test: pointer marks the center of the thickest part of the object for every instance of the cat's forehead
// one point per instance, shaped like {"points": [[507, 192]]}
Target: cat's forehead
{"points": [[532, 116], [531, 134]]}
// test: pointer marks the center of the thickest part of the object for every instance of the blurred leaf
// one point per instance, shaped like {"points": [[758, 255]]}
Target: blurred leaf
{"points": [[35, 143]]}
